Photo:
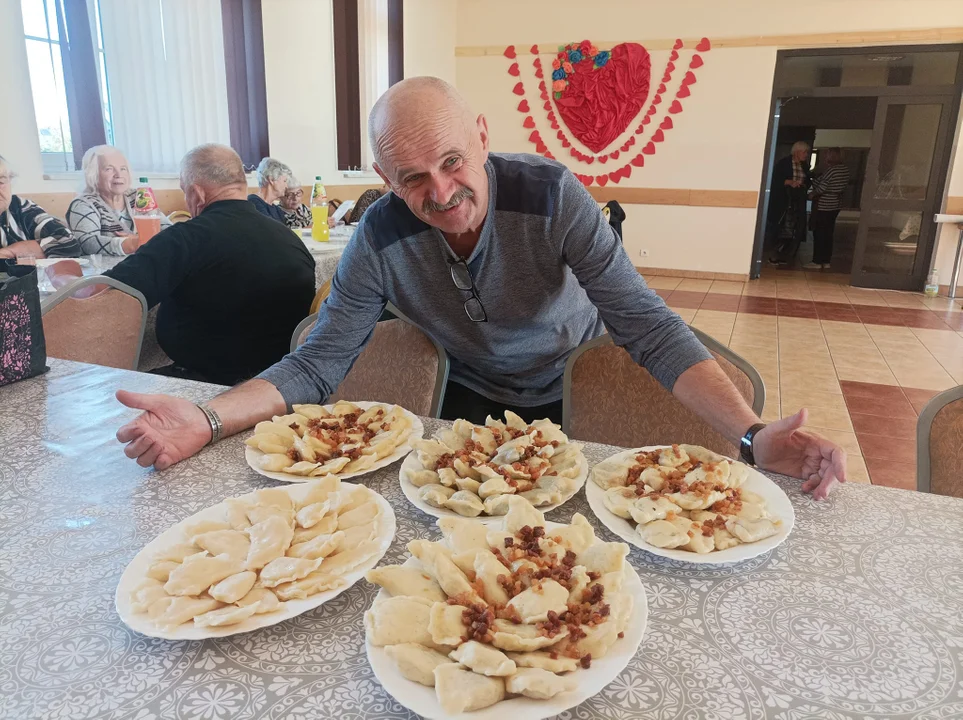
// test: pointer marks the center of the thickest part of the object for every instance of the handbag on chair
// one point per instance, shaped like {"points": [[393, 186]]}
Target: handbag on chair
{"points": [[23, 349]]}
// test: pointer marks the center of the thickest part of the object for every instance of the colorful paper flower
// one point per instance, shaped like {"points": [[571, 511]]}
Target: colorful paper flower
{"points": [[593, 51], [558, 75], [556, 64], [585, 47], [575, 56], [567, 67], [558, 86], [602, 58]]}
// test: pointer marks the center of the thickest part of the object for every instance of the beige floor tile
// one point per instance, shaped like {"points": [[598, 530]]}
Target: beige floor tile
{"points": [[926, 381], [843, 329], [939, 303], [813, 398], [753, 290], [685, 313], [882, 377], [788, 383], [832, 418], [770, 414], [856, 470], [695, 285], [901, 300], [845, 439], [663, 283], [727, 287]]}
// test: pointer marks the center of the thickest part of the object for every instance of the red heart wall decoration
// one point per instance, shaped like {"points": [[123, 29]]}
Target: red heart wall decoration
{"points": [[703, 45], [676, 46], [666, 123], [529, 122], [523, 106], [649, 149], [601, 179], [658, 135], [683, 92], [675, 107], [695, 62], [514, 71], [689, 78], [519, 89], [510, 52], [638, 161], [534, 49]]}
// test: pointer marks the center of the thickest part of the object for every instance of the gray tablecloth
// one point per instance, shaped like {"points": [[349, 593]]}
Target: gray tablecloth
{"points": [[858, 615]]}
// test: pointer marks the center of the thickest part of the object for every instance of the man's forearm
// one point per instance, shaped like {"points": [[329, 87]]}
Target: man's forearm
{"points": [[246, 405], [706, 390]]}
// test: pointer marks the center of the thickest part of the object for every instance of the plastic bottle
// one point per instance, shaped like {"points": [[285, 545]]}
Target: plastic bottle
{"points": [[932, 288], [147, 214], [319, 211]]}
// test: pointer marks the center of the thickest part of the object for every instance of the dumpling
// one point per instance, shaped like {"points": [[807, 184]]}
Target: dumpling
{"points": [[465, 503], [459, 690], [698, 453], [540, 498], [347, 560], [663, 534], [544, 661], [695, 501], [286, 570], [497, 504], [523, 638], [465, 470], [234, 587], [521, 514], [645, 510], [447, 477], [577, 536], [488, 569], [260, 513], [175, 553], [515, 421], [277, 497], [199, 527], [497, 485], [274, 462], [438, 563], [349, 497], [161, 571], [265, 599], [435, 495], [420, 478], [144, 595], [181, 609], [311, 515], [534, 604], [313, 584], [311, 412], [461, 534], [235, 512], [230, 615], [465, 561], [233, 543], [406, 581], [751, 530], [198, 574], [612, 473], [604, 557], [672, 456], [446, 624], [326, 526], [538, 684], [577, 585], [399, 620], [160, 605], [270, 539], [317, 491], [738, 473], [485, 438], [319, 547], [619, 501], [416, 662], [361, 515], [359, 535], [483, 659]]}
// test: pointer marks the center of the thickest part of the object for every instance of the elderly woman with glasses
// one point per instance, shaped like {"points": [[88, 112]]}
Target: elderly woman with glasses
{"points": [[296, 213], [102, 216], [272, 183], [26, 229]]}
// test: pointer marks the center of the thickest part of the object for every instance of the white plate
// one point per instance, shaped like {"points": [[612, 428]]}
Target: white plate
{"points": [[411, 492], [47, 262], [136, 570], [777, 504], [422, 700], [417, 431]]}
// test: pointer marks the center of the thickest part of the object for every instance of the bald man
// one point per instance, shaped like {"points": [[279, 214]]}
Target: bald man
{"points": [[232, 284], [508, 263]]}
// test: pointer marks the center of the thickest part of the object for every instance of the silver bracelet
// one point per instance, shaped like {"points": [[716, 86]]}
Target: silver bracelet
{"points": [[217, 427]]}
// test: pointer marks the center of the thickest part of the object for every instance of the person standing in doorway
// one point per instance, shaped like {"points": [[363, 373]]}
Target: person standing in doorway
{"points": [[786, 220], [827, 196]]}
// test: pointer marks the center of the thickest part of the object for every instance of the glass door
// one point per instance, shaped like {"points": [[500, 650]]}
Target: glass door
{"points": [[902, 191]]}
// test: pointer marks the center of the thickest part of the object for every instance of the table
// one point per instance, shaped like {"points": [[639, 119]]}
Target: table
{"points": [[858, 615], [327, 254]]}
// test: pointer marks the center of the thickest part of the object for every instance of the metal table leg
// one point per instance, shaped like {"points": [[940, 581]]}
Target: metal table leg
{"points": [[955, 275]]}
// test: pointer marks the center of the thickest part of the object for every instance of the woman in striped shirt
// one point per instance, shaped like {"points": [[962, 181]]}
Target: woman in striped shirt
{"points": [[827, 196]]}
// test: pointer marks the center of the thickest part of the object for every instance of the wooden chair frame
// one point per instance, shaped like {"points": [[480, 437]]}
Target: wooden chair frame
{"points": [[924, 426]]}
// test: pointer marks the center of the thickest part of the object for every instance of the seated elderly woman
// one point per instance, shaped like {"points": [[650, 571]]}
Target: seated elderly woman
{"points": [[102, 216], [26, 229], [296, 213], [272, 182]]}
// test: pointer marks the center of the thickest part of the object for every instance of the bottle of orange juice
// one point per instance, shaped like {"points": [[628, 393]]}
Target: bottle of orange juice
{"points": [[319, 211], [147, 213]]}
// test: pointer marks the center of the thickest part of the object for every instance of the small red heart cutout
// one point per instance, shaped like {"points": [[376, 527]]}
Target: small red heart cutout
{"points": [[695, 62], [519, 89], [615, 176], [574, 153], [534, 50], [529, 122], [638, 161], [656, 100], [550, 115], [541, 85], [560, 135], [649, 149], [565, 143], [658, 135], [689, 78], [683, 91], [678, 45], [675, 107], [513, 70], [554, 125], [673, 56], [627, 172], [669, 66], [510, 52], [645, 121], [548, 155], [538, 73], [604, 159], [614, 154], [652, 110], [535, 137], [666, 123], [601, 180], [630, 142], [586, 180], [624, 148], [541, 147], [547, 105], [587, 159], [661, 89], [543, 95], [666, 77], [704, 45], [523, 106]]}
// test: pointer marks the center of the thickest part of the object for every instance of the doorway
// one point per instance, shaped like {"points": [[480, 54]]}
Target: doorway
{"points": [[892, 113]]}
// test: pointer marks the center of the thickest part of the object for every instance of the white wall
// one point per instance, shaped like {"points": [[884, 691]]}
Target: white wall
{"points": [[430, 31]]}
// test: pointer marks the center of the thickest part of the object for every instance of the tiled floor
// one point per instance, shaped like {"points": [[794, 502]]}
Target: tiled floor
{"points": [[864, 362]]}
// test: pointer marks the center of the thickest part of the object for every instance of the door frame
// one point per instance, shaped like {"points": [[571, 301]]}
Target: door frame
{"points": [[952, 93], [935, 187]]}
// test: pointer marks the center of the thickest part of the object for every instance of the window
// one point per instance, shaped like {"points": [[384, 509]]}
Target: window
{"points": [[146, 76]]}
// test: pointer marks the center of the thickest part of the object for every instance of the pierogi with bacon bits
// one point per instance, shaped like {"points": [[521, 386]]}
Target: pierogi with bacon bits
{"points": [[685, 497]]}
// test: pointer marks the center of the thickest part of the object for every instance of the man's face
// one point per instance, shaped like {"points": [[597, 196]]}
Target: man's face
{"points": [[291, 199], [439, 171], [5, 187], [114, 176]]}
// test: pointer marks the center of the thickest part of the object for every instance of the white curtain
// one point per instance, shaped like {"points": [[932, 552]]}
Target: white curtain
{"points": [[372, 63], [166, 78]]}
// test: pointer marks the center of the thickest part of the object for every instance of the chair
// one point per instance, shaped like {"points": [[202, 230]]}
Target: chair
{"points": [[608, 398], [319, 297], [179, 216], [399, 365], [104, 329], [939, 444]]}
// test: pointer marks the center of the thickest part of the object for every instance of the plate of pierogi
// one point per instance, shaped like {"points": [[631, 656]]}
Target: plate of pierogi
{"points": [[688, 503], [524, 619], [255, 560]]}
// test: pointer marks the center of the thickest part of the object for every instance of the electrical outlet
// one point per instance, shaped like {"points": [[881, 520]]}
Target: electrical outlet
{"points": [[643, 252]]}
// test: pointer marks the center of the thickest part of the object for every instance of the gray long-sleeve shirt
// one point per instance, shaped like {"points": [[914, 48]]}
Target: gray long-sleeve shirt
{"points": [[548, 268]]}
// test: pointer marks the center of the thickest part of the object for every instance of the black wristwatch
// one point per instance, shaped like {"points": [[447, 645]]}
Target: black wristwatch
{"points": [[745, 445]]}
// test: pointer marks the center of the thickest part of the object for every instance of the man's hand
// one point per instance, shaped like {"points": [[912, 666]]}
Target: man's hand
{"points": [[784, 447], [169, 430], [130, 243], [21, 249]]}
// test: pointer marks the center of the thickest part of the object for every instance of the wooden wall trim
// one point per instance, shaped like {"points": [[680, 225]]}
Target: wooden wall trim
{"points": [[676, 196], [954, 205], [695, 274], [802, 40]]}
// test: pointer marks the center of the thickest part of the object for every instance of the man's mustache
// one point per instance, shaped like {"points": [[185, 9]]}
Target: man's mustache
{"points": [[431, 207]]}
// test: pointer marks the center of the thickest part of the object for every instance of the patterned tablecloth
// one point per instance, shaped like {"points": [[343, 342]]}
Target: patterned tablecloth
{"points": [[858, 615]]}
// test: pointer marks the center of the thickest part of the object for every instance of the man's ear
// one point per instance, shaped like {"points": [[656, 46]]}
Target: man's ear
{"points": [[482, 126]]}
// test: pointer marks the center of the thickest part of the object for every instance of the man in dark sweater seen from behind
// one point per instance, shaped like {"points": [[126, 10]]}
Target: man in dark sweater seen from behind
{"points": [[232, 284]]}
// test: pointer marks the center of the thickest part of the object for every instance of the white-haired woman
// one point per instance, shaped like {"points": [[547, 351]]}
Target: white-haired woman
{"points": [[26, 229], [272, 181], [102, 216], [296, 213]]}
